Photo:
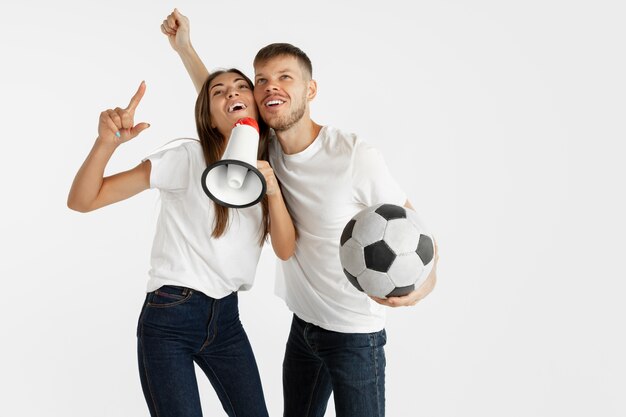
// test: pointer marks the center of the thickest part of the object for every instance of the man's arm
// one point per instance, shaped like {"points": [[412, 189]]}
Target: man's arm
{"points": [[176, 27]]}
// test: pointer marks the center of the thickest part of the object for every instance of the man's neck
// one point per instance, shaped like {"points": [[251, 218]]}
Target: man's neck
{"points": [[298, 137]]}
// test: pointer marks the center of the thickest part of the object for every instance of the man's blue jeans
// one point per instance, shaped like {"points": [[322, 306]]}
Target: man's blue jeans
{"points": [[179, 326], [318, 362]]}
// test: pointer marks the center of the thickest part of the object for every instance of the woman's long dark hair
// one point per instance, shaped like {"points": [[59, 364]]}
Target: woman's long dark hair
{"points": [[214, 144]]}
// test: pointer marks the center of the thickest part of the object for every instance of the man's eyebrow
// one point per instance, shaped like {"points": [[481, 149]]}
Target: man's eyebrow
{"points": [[279, 72]]}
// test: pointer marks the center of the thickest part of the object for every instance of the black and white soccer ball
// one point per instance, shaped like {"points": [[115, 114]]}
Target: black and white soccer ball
{"points": [[385, 251]]}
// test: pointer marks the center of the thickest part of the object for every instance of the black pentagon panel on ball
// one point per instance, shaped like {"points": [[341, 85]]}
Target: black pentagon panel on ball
{"points": [[425, 249], [391, 211], [400, 291], [353, 280], [378, 256], [347, 232]]}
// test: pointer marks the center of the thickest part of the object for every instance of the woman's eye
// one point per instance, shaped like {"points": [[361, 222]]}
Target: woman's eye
{"points": [[218, 92]]}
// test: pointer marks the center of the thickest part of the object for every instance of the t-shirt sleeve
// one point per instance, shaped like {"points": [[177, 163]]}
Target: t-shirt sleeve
{"points": [[170, 169], [372, 182]]}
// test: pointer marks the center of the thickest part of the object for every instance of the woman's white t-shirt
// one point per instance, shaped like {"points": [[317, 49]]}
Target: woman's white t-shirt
{"points": [[183, 252]]}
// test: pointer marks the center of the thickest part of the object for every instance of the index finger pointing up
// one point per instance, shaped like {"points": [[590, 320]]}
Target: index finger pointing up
{"points": [[134, 102]]}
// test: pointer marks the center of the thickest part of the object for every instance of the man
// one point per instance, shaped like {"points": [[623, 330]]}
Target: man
{"points": [[337, 338]]}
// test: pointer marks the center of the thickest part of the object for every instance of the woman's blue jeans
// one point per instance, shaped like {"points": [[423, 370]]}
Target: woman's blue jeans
{"points": [[179, 326], [350, 365]]}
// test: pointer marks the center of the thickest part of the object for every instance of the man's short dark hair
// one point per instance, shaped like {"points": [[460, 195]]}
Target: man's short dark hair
{"points": [[284, 49]]}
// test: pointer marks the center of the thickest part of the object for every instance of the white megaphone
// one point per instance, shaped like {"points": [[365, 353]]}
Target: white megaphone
{"points": [[234, 181]]}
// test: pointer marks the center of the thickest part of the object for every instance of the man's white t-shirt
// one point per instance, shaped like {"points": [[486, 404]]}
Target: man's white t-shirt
{"points": [[324, 186], [183, 252]]}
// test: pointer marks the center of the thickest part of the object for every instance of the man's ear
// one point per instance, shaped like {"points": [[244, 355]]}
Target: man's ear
{"points": [[312, 90]]}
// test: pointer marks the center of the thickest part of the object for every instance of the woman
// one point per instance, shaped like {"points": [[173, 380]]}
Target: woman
{"points": [[202, 253]]}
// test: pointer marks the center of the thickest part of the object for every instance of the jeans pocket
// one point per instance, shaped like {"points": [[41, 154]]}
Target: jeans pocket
{"points": [[382, 337], [168, 296]]}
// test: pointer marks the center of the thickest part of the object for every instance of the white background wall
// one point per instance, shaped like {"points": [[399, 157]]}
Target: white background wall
{"points": [[504, 122]]}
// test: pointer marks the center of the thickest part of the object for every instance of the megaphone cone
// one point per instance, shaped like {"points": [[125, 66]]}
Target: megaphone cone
{"points": [[234, 181]]}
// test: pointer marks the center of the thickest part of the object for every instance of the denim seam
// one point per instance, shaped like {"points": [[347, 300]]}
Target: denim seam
{"points": [[305, 332], [210, 338], [140, 322], [375, 346], [317, 375], [145, 371], [230, 403]]}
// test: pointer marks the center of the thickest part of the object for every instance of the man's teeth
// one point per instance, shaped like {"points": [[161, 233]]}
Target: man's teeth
{"points": [[236, 106], [274, 102]]}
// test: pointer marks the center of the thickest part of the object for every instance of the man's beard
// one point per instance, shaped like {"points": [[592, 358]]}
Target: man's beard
{"points": [[285, 123]]}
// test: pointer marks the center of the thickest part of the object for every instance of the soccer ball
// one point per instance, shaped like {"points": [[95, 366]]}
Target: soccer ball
{"points": [[385, 251]]}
